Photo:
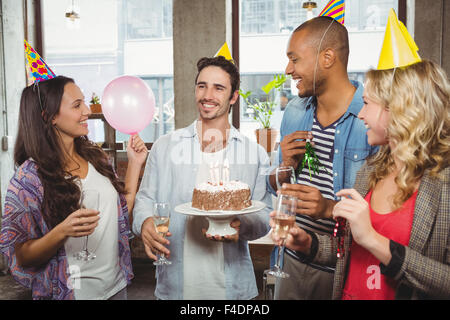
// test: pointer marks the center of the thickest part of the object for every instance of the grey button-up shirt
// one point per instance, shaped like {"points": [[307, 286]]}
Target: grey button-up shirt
{"points": [[170, 175]]}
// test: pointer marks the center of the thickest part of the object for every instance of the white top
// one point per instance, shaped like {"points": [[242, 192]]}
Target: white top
{"points": [[101, 278], [204, 275]]}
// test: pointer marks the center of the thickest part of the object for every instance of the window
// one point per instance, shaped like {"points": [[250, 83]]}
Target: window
{"points": [[148, 19], [269, 16], [275, 16], [117, 37], [113, 38], [264, 33], [368, 15]]}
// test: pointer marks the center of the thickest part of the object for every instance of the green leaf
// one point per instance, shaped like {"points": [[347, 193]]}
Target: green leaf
{"points": [[244, 95], [277, 82], [264, 109], [312, 160], [268, 87]]}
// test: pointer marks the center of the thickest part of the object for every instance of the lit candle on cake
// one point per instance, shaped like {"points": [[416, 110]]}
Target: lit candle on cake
{"points": [[226, 171], [211, 173], [217, 173]]}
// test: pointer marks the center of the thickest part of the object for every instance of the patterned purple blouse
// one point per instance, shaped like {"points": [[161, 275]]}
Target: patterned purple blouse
{"points": [[23, 221]]}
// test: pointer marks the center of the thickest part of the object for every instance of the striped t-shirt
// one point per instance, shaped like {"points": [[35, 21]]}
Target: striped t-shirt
{"points": [[324, 148]]}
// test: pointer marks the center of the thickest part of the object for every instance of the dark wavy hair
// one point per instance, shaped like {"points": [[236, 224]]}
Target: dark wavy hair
{"points": [[37, 139], [226, 65]]}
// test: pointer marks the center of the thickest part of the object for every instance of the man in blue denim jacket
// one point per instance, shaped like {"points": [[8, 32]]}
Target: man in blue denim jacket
{"points": [[326, 112], [203, 267]]}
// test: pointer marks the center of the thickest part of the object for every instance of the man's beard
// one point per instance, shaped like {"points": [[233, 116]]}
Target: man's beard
{"points": [[218, 113], [314, 89]]}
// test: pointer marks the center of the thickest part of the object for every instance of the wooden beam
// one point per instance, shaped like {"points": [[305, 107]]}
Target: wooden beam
{"points": [[38, 44], [402, 16]]}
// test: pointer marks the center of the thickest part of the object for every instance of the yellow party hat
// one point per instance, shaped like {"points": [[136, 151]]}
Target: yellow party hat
{"points": [[399, 48], [225, 52]]}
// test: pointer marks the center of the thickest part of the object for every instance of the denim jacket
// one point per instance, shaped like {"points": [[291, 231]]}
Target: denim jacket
{"points": [[170, 175], [350, 145]]}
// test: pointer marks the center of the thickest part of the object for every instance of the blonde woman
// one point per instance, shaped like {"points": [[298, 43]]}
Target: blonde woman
{"points": [[398, 214]]}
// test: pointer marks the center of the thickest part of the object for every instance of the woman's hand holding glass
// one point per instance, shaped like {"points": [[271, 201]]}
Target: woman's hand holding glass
{"points": [[90, 199], [80, 223]]}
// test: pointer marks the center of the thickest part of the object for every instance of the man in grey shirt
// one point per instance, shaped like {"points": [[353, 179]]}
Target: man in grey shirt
{"points": [[203, 266]]}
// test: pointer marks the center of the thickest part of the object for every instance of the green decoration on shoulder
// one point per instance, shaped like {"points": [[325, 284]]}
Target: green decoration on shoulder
{"points": [[310, 158]]}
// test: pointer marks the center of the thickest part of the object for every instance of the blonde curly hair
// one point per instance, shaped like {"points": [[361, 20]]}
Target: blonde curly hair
{"points": [[418, 100]]}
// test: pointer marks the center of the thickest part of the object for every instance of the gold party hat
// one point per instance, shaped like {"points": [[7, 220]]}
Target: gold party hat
{"points": [[399, 48], [225, 52]]}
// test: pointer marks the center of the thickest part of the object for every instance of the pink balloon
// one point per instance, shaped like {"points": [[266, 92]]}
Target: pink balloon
{"points": [[128, 104]]}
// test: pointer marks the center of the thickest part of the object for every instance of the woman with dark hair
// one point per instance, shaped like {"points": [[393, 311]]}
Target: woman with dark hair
{"points": [[43, 225]]}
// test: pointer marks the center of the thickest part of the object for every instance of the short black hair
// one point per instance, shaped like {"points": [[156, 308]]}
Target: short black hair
{"points": [[226, 65], [336, 37]]}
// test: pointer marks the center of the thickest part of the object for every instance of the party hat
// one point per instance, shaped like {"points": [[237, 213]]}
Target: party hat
{"points": [[39, 70], [225, 52], [334, 9], [399, 48]]}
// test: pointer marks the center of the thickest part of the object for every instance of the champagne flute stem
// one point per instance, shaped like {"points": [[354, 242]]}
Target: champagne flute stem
{"points": [[280, 249], [161, 254], [86, 244]]}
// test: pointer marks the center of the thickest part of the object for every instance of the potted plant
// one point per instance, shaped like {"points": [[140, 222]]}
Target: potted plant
{"points": [[95, 105], [262, 112]]}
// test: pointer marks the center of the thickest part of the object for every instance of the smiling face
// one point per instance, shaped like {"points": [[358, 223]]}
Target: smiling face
{"points": [[302, 56], [212, 93], [376, 118], [71, 120]]}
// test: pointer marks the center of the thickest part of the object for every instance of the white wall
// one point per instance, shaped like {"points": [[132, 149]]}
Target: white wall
{"points": [[149, 57], [14, 70], [14, 73]]}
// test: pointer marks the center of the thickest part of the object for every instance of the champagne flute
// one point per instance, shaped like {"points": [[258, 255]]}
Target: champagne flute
{"points": [[161, 219], [283, 175], [284, 221], [90, 199]]}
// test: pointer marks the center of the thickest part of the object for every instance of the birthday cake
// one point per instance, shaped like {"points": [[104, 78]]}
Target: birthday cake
{"points": [[224, 196]]}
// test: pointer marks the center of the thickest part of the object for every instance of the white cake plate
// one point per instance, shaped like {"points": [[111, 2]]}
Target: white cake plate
{"points": [[219, 221]]}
